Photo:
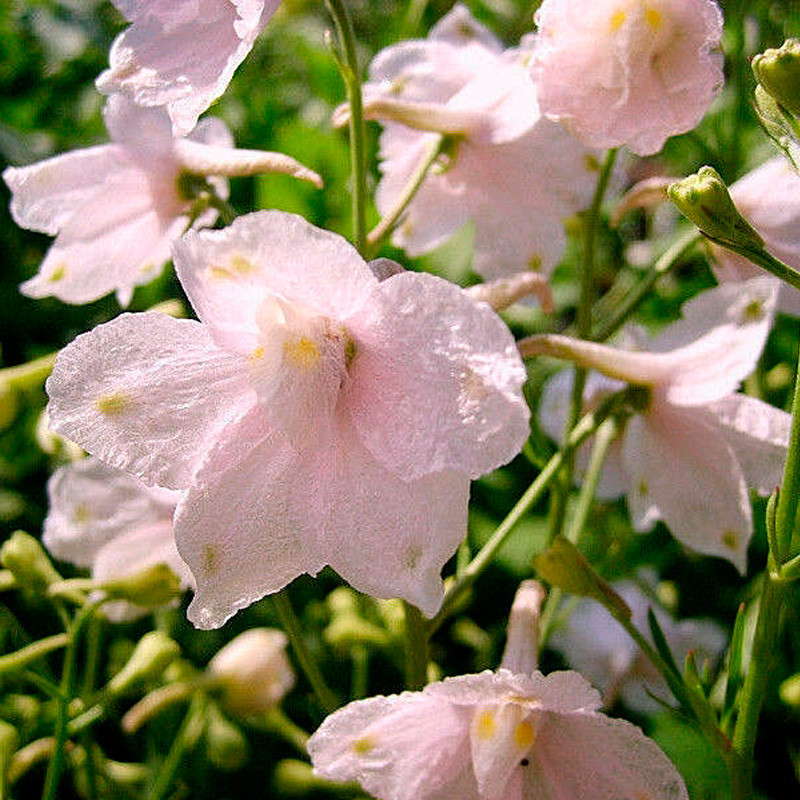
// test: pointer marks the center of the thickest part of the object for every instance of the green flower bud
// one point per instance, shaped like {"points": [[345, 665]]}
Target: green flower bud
{"points": [[151, 588], [775, 120], [25, 557], [293, 778], [778, 71], [154, 653], [226, 746], [790, 691], [705, 200]]}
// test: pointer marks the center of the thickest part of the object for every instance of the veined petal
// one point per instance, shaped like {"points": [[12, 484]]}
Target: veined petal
{"points": [[147, 393], [435, 380], [678, 461], [758, 433]]}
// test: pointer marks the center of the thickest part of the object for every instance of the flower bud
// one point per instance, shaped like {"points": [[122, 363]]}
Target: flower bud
{"points": [[25, 557], [521, 655], [778, 71], [252, 671], [226, 746], [705, 200], [790, 691], [151, 656], [151, 588]]}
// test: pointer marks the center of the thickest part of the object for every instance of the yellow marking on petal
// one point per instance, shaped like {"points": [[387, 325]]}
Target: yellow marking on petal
{"points": [[302, 353], [653, 18], [617, 19], [363, 745], [524, 735], [642, 796], [413, 555], [81, 514], [643, 489], [753, 312], [591, 163], [241, 266], [58, 273], [730, 539], [113, 404], [218, 273], [257, 354], [209, 560], [486, 725], [147, 268], [237, 267], [534, 263], [465, 30]]}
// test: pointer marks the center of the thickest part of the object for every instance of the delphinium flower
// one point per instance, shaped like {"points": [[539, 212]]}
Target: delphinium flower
{"points": [[769, 199], [110, 522], [514, 174], [598, 647], [182, 53], [115, 208], [628, 72], [689, 457], [316, 414], [494, 735]]}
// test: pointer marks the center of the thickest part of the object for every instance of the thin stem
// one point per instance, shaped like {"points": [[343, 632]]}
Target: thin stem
{"points": [[291, 626], [755, 686], [416, 630], [276, 721], [29, 375], [789, 494], [352, 80], [664, 263], [390, 221], [32, 652], [761, 258]]}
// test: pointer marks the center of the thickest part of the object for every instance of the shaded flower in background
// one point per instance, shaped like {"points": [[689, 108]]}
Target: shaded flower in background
{"points": [[690, 456], [182, 53], [116, 208], [628, 72], [316, 414], [110, 522], [514, 174], [494, 735]]}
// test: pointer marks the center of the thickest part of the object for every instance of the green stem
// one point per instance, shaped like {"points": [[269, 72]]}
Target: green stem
{"points": [[416, 630], [291, 626], [29, 375], [276, 721], [352, 80], [664, 263], [755, 686], [789, 494], [761, 258], [389, 222], [32, 652]]}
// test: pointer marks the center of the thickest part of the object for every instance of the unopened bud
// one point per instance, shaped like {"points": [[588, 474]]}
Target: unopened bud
{"points": [[151, 656], [705, 200], [521, 655], [778, 71], [252, 671], [151, 588], [226, 746], [25, 557]]}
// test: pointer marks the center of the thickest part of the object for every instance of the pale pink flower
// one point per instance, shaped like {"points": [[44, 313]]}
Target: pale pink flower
{"points": [[510, 735], [596, 645], [110, 522], [768, 197], [512, 173], [690, 456], [116, 208], [182, 53], [628, 72], [316, 414]]}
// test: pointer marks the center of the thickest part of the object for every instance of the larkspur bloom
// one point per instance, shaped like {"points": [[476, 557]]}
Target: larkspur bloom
{"points": [[689, 457], [505, 734], [182, 53], [598, 647], [514, 174], [116, 208], [110, 522], [628, 72], [316, 414], [769, 199]]}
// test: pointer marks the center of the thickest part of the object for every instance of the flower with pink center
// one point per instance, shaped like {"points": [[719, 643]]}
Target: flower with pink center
{"points": [[116, 208], [512, 173], [507, 734], [315, 414], [110, 522], [689, 457], [182, 53], [768, 197], [628, 72]]}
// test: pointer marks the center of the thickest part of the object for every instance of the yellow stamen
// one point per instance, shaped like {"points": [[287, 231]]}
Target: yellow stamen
{"points": [[302, 353]]}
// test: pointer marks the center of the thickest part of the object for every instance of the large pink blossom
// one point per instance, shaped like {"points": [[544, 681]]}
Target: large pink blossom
{"points": [[628, 72], [509, 171], [769, 199], [689, 457], [182, 53], [111, 522], [116, 208], [316, 414], [514, 734]]}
